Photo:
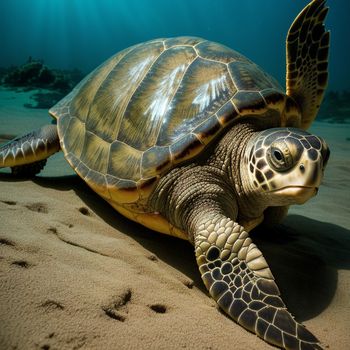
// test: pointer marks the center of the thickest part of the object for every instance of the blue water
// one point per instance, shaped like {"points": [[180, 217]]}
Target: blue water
{"points": [[83, 33]]}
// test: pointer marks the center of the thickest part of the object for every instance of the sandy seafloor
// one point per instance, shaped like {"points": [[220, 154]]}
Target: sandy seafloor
{"points": [[74, 274]]}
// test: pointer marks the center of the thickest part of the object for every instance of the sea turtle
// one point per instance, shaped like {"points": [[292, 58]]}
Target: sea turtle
{"points": [[192, 139]]}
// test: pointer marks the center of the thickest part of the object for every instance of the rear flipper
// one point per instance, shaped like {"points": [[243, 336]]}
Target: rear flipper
{"points": [[26, 155]]}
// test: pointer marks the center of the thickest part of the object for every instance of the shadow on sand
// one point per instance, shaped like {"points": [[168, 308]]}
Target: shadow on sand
{"points": [[304, 254]]}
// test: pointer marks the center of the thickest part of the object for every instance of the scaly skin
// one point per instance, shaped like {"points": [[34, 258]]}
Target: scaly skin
{"points": [[237, 276], [210, 199]]}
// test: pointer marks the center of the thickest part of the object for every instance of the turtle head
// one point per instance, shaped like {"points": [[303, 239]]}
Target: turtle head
{"points": [[286, 165]]}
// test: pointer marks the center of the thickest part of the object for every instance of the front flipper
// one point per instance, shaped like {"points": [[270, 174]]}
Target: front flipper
{"points": [[26, 155], [307, 60], [238, 278]]}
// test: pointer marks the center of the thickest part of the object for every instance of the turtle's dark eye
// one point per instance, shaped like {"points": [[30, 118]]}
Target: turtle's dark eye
{"points": [[279, 156]]}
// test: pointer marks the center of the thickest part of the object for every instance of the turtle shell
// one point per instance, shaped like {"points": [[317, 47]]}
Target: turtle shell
{"points": [[156, 105]]}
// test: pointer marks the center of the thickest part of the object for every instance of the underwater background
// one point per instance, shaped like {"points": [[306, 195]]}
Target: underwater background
{"points": [[47, 46], [69, 34], [72, 269]]}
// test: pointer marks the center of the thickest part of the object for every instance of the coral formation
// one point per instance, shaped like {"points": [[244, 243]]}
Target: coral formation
{"points": [[34, 74]]}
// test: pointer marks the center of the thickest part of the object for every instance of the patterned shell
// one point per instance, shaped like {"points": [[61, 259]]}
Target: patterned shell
{"points": [[155, 105]]}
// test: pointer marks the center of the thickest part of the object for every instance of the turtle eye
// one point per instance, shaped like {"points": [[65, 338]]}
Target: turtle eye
{"points": [[280, 157]]}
